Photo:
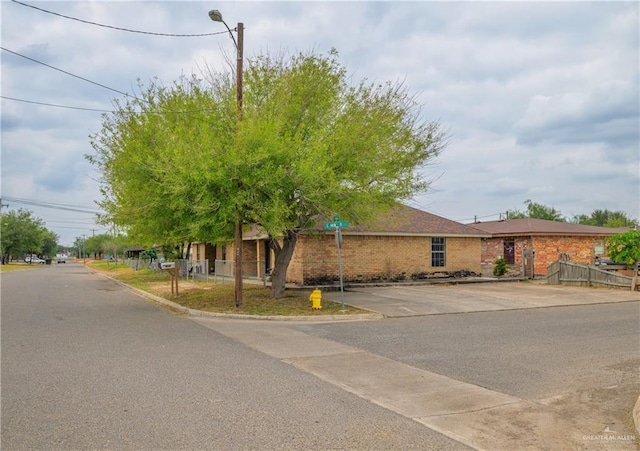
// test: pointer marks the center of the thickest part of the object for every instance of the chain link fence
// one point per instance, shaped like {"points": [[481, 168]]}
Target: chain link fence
{"points": [[223, 271]]}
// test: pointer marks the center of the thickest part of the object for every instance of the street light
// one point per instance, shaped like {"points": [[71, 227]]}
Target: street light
{"points": [[216, 16]]}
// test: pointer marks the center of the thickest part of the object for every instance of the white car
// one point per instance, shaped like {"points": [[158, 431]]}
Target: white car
{"points": [[34, 259]]}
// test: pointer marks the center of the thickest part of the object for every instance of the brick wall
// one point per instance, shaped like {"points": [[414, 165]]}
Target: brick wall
{"points": [[367, 258], [580, 249], [491, 250]]}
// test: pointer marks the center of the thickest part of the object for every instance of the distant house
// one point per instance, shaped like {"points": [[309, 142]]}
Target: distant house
{"points": [[133, 252], [404, 244], [546, 241]]}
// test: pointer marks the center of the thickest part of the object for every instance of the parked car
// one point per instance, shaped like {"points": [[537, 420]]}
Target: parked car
{"points": [[33, 259]]}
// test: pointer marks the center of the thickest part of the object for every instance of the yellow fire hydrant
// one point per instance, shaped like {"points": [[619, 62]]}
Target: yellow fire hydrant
{"points": [[316, 297]]}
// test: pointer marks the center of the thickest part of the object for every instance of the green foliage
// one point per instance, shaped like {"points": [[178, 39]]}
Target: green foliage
{"points": [[537, 211], [500, 268], [49, 243], [22, 233], [624, 247], [149, 254], [179, 166], [97, 244], [605, 218], [600, 218]]}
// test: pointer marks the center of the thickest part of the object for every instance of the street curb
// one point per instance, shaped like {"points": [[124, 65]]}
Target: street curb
{"points": [[636, 417], [201, 313]]}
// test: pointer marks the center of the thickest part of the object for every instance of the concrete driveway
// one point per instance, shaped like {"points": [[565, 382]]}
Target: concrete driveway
{"points": [[417, 300]]}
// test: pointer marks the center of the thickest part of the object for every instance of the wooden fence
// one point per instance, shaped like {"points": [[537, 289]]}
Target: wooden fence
{"points": [[568, 273]]}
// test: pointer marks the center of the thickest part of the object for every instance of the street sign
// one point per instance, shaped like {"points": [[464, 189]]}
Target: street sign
{"points": [[336, 225]]}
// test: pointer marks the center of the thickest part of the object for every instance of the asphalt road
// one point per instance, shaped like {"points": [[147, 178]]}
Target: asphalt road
{"points": [[86, 364]]}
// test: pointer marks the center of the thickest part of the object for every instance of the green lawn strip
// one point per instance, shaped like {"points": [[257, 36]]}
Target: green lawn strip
{"points": [[220, 298], [17, 266]]}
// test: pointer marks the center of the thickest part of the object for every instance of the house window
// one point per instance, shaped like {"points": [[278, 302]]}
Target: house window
{"points": [[437, 251], [509, 252]]}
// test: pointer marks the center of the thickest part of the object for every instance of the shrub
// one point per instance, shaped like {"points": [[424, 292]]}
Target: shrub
{"points": [[500, 269]]}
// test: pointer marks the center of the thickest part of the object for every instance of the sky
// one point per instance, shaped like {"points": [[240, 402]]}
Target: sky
{"points": [[540, 99]]}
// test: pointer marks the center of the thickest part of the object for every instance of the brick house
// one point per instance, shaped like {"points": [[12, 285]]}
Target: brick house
{"points": [[549, 240], [404, 244]]}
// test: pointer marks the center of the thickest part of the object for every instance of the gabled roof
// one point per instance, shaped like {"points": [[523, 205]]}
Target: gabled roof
{"points": [[402, 220], [531, 226]]}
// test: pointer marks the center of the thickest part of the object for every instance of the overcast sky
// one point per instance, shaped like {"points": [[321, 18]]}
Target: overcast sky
{"points": [[541, 99]]}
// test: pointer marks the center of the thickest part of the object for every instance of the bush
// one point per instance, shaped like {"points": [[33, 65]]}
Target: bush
{"points": [[500, 269], [149, 254]]}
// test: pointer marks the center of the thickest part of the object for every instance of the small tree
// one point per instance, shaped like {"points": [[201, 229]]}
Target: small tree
{"points": [[149, 254], [500, 269]]}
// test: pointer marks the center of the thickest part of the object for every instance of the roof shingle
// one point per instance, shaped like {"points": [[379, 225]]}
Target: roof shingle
{"points": [[532, 226], [404, 220]]}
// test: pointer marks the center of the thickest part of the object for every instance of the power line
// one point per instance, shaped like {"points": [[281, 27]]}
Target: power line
{"points": [[120, 28], [101, 110], [56, 105], [53, 205], [69, 73]]}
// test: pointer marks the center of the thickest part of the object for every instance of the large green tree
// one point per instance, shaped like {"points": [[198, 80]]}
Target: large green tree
{"points": [[161, 156], [178, 162], [23, 233]]}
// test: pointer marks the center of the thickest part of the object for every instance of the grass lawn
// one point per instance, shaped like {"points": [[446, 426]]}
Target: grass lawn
{"points": [[17, 266], [220, 298]]}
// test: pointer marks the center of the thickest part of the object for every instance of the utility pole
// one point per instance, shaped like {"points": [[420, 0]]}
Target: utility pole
{"points": [[216, 16]]}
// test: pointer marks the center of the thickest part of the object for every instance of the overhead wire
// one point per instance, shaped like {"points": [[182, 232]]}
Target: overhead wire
{"points": [[53, 205], [56, 105], [68, 73], [86, 79], [175, 35], [100, 110]]}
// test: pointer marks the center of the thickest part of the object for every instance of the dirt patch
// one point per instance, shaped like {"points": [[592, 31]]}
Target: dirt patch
{"points": [[601, 417]]}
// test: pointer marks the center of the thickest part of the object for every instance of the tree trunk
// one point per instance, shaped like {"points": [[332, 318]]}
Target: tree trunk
{"points": [[283, 256]]}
